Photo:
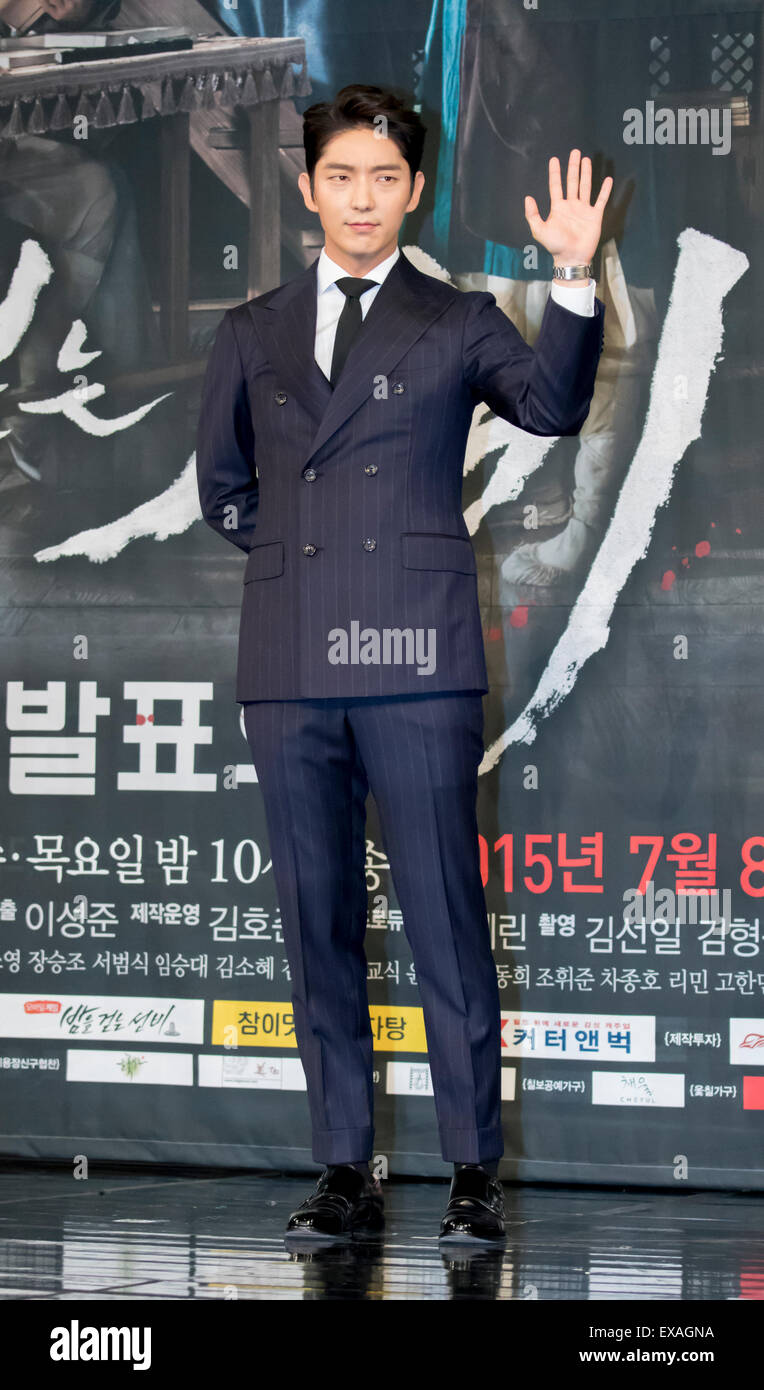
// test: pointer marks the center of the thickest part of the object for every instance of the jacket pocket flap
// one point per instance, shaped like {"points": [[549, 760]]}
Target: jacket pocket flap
{"points": [[422, 550], [265, 561]]}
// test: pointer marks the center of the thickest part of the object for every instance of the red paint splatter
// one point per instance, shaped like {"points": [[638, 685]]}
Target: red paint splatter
{"points": [[703, 548], [493, 634], [141, 718], [668, 580], [519, 616]]}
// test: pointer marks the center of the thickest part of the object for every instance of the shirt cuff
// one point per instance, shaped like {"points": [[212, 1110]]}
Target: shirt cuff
{"points": [[579, 298]]}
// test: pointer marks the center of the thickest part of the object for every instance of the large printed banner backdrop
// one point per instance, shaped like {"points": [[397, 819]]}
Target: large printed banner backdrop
{"points": [[145, 1006]]}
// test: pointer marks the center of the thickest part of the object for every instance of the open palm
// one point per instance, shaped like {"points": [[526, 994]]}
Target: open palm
{"points": [[572, 230]]}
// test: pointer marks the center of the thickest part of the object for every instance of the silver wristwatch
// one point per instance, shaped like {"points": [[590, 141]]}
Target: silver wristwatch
{"points": [[572, 272]]}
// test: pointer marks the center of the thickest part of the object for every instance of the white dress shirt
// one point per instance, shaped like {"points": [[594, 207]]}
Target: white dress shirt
{"points": [[331, 301]]}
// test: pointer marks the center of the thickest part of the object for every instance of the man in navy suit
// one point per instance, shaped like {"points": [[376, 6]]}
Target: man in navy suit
{"points": [[331, 441]]}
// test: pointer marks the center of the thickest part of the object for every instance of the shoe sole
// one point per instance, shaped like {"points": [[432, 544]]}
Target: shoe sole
{"points": [[464, 1238], [362, 1227], [298, 1236], [298, 1240]]}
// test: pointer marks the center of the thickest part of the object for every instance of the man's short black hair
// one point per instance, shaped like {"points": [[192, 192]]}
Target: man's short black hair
{"points": [[358, 105]]}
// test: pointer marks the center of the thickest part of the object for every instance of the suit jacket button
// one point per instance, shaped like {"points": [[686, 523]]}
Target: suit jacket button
{"points": [[310, 475], [280, 398], [369, 543], [398, 388], [370, 468], [309, 549]]}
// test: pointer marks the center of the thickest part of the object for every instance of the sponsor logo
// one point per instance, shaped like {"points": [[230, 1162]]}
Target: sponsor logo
{"points": [[270, 1023], [747, 1042], [112, 1018], [409, 1079], [252, 1073], [753, 1092], [578, 1037], [508, 1083], [638, 1088], [153, 1068]]}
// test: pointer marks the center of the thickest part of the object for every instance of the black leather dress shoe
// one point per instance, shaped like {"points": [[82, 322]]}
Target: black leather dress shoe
{"points": [[344, 1203], [475, 1210]]}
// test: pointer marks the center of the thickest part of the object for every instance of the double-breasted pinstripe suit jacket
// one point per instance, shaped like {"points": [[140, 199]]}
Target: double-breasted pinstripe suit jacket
{"points": [[348, 501]]}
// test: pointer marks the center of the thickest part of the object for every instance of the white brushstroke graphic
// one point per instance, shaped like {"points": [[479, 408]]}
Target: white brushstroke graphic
{"points": [[72, 404], [31, 274], [70, 354], [523, 455], [168, 514], [690, 340]]}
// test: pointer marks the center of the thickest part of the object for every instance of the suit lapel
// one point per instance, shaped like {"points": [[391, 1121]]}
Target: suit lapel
{"points": [[406, 303], [286, 326]]}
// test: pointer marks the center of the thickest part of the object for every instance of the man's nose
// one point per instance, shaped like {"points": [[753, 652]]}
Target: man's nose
{"points": [[362, 195]]}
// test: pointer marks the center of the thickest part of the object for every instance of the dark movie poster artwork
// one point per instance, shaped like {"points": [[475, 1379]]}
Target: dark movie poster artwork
{"points": [[145, 1005]]}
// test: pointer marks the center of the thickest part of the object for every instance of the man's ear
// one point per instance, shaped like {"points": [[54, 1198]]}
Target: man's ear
{"points": [[305, 185], [417, 184]]}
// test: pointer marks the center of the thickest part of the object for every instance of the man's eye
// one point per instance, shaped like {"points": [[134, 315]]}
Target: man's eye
{"points": [[390, 178]]}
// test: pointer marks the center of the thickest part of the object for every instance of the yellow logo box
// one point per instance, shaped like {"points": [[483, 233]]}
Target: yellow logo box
{"points": [[242, 1023]]}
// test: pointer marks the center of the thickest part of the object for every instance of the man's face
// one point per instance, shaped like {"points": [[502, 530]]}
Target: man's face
{"points": [[361, 192]]}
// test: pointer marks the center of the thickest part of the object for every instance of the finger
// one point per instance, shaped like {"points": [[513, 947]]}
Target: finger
{"points": [[555, 179], [532, 216], [604, 192], [585, 185], [574, 162]]}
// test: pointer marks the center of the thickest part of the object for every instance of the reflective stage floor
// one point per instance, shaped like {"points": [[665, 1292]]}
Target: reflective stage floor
{"points": [[141, 1234]]}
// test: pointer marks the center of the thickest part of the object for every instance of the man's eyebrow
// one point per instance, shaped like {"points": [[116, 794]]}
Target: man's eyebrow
{"points": [[375, 168]]}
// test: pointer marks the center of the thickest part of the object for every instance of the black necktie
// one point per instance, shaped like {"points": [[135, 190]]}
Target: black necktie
{"points": [[350, 320]]}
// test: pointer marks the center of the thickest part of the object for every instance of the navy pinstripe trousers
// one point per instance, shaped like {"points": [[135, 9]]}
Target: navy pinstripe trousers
{"points": [[316, 760]]}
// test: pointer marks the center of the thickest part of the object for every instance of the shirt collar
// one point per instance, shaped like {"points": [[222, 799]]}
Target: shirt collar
{"points": [[327, 270]]}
